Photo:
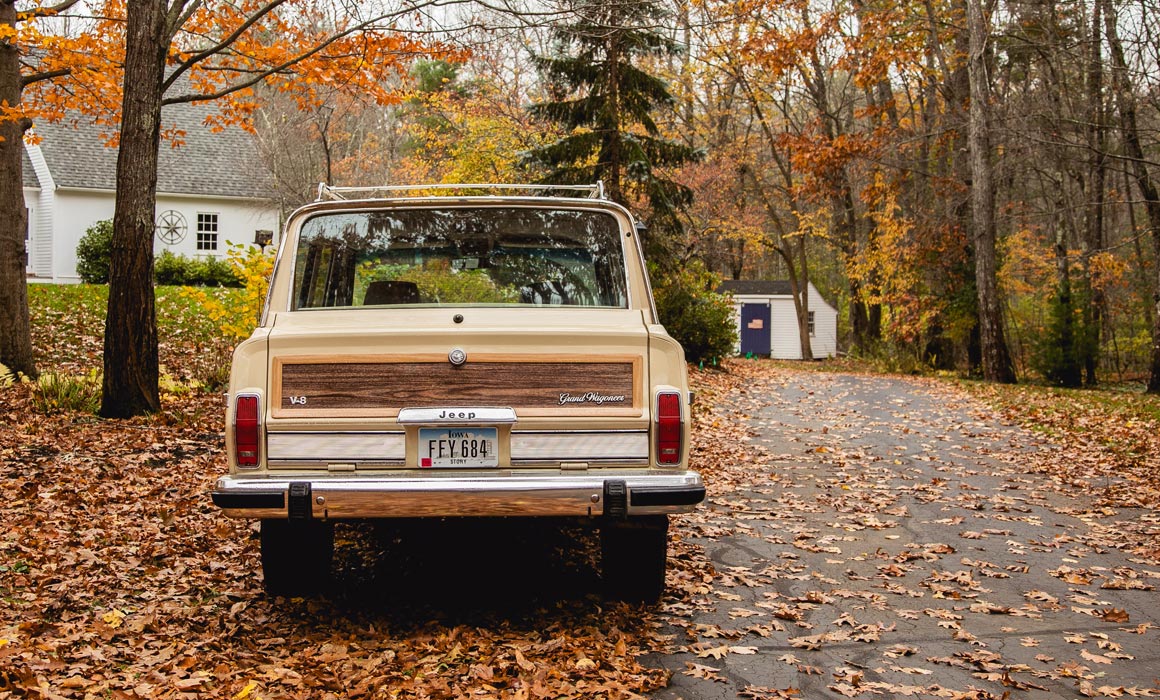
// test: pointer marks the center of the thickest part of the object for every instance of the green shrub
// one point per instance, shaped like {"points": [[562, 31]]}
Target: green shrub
{"points": [[94, 251], [181, 271], [1060, 350], [168, 267], [700, 319], [55, 393]]}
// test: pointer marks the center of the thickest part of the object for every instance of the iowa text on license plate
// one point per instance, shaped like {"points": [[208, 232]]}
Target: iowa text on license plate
{"points": [[458, 447]]}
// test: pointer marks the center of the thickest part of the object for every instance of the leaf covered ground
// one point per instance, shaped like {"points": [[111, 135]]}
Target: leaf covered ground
{"points": [[898, 537], [827, 563]]}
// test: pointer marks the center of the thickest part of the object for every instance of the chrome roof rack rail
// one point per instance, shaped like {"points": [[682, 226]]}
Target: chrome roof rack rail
{"points": [[331, 192]]}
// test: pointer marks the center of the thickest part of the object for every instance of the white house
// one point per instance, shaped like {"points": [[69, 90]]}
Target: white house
{"points": [[767, 321], [211, 191]]}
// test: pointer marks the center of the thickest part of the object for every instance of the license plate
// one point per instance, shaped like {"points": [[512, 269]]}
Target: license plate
{"points": [[458, 448]]}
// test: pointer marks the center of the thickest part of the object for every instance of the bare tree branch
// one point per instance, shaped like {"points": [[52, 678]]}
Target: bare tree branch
{"points": [[38, 12], [31, 78], [226, 42]]}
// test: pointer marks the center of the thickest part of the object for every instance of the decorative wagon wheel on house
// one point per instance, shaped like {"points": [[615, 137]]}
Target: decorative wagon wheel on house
{"points": [[171, 227]]}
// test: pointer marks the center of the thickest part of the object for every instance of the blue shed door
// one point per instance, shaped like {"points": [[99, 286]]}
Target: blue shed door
{"points": [[755, 337]]}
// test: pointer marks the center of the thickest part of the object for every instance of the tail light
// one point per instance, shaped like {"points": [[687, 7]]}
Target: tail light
{"points": [[247, 430], [669, 427]]}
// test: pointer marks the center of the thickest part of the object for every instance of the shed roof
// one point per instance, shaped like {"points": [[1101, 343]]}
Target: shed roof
{"points": [[224, 164], [775, 288]]}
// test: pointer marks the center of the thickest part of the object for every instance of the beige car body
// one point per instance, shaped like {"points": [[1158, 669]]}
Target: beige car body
{"points": [[346, 460]]}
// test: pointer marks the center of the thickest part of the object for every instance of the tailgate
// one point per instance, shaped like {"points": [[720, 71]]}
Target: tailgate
{"points": [[575, 379]]}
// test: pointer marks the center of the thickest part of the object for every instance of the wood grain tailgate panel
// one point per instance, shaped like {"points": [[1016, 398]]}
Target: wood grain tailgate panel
{"points": [[349, 386]]}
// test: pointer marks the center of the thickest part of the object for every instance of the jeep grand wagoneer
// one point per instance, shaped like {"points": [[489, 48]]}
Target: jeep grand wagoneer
{"points": [[486, 352]]}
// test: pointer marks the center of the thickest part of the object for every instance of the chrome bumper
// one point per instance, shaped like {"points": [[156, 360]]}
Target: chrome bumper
{"points": [[348, 497]]}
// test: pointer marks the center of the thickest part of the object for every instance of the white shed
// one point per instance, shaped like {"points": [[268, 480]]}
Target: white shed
{"points": [[767, 322], [212, 190]]}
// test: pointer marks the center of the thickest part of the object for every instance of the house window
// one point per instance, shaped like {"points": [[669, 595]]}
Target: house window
{"points": [[810, 322], [207, 231]]}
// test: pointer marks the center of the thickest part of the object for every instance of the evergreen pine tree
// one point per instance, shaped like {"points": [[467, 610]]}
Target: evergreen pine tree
{"points": [[605, 103]]}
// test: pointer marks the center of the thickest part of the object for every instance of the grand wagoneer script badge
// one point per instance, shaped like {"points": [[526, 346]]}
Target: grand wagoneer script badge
{"points": [[590, 397]]}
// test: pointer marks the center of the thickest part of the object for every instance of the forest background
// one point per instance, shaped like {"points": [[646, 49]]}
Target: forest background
{"points": [[973, 182]]}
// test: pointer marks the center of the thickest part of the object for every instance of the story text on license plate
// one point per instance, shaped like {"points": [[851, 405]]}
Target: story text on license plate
{"points": [[458, 447]]}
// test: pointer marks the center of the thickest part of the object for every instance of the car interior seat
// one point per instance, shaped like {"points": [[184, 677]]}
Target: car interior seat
{"points": [[391, 292]]}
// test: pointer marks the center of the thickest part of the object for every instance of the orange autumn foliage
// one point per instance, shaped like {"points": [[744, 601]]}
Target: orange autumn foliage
{"points": [[308, 50]]}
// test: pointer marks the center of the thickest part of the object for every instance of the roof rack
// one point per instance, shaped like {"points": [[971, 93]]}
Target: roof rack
{"points": [[326, 191]]}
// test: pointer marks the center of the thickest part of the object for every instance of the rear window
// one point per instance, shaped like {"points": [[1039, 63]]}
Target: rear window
{"points": [[447, 256]]}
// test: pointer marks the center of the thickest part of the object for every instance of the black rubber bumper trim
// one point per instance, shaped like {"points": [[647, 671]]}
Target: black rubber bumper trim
{"points": [[615, 499], [667, 495], [272, 499]]}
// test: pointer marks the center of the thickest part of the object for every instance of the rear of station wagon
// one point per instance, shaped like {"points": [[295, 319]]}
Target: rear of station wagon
{"points": [[455, 356]]}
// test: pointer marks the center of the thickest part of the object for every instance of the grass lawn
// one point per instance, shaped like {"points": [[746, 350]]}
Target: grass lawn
{"points": [[68, 326]]}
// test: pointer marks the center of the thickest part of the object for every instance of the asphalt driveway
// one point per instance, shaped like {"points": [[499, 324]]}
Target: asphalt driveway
{"points": [[888, 537]]}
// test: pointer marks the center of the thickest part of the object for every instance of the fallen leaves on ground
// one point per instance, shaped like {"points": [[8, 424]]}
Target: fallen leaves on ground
{"points": [[122, 580], [848, 511]]}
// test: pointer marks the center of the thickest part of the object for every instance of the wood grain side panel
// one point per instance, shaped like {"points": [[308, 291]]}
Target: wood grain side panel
{"points": [[380, 386]]}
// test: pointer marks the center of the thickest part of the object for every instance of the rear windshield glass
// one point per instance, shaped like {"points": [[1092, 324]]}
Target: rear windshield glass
{"points": [[482, 255]]}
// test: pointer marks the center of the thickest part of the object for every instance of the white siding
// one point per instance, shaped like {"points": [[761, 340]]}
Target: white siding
{"points": [[824, 343], [784, 341], [31, 203], [737, 324], [237, 221], [40, 254], [77, 210]]}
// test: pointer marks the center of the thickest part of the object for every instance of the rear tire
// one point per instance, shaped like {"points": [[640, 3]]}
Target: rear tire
{"points": [[296, 556], [634, 554]]}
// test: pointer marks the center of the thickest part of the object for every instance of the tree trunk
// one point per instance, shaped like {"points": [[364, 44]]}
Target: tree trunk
{"points": [[1094, 219], [957, 89], [1126, 104], [131, 372], [1065, 369], [803, 307], [997, 365], [15, 331]]}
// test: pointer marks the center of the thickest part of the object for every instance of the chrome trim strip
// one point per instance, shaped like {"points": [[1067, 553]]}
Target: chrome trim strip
{"points": [[587, 446], [323, 447], [457, 415], [500, 495], [599, 463], [322, 464], [330, 192], [576, 432]]}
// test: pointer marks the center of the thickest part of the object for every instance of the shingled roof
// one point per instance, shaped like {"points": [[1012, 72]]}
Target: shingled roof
{"points": [[222, 164], [27, 172], [756, 287]]}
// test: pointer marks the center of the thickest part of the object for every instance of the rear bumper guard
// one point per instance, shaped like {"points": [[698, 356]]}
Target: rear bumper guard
{"points": [[409, 497]]}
